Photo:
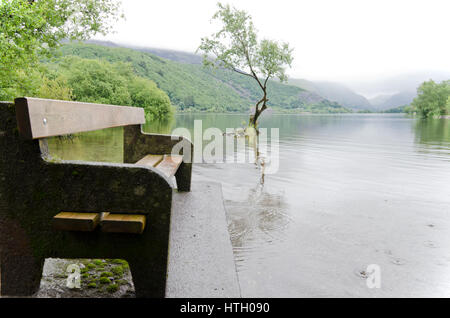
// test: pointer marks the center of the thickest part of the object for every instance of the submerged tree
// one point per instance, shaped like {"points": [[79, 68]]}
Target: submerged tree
{"points": [[29, 30], [236, 47]]}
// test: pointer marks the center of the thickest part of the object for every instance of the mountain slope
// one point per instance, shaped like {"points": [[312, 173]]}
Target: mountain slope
{"points": [[335, 92], [384, 102], [191, 87]]}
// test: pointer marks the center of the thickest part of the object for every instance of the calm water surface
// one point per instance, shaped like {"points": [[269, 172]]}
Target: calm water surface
{"points": [[351, 190]]}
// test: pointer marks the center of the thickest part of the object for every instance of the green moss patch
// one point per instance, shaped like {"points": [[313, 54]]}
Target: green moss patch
{"points": [[112, 288]]}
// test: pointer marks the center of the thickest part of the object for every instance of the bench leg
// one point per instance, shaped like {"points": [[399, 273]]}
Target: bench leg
{"points": [[183, 177], [20, 269], [20, 274], [149, 279]]}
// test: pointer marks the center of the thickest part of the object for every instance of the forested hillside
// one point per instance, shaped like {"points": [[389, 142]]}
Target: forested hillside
{"points": [[191, 87]]}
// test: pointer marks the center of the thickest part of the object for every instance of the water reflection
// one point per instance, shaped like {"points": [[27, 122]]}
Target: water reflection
{"points": [[432, 131], [164, 126], [432, 137], [102, 145]]}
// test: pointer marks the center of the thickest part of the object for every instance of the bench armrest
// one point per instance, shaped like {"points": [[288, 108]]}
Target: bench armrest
{"points": [[138, 144]]}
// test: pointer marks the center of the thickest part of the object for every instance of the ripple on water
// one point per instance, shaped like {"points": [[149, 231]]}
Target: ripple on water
{"points": [[257, 225]]}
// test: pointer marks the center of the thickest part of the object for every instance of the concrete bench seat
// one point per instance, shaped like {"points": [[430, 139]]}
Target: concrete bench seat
{"points": [[167, 164], [36, 188]]}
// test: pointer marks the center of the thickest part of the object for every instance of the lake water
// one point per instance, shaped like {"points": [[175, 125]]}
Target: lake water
{"points": [[351, 190]]}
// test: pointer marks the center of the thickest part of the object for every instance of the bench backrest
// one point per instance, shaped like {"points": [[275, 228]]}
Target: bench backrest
{"points": [[40, 118]]}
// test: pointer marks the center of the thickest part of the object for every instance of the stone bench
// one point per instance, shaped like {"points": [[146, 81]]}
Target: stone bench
{"points": [[53, 208]]}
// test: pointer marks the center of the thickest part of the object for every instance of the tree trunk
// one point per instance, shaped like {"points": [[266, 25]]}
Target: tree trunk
{"points": [[254, 118]]}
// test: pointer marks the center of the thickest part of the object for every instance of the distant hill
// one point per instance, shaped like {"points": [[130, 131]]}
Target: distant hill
{"points": [[335, 92], [191, 87], [384, 102], [173, 55]]}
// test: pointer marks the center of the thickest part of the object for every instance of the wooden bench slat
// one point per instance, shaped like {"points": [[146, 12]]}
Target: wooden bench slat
{"points": [[74, 221], [150, 160], [123, 223], [40, 118], [169, 165]]}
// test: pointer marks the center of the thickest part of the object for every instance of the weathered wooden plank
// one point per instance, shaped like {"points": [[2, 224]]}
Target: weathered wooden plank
{"points": [[150, 160], [123, 223], [39, 118], [169, 165], [74, 221]]}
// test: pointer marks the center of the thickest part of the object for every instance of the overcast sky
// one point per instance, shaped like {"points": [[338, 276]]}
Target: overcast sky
{"points": [[336, 40]]}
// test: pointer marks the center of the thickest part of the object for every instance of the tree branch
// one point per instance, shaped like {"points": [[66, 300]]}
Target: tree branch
{"points": [[241, 72], [267, 78]]}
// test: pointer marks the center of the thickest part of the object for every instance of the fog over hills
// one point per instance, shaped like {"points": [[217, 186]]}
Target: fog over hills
{"points": [[335, 92], [376, 95], [397, 90]]}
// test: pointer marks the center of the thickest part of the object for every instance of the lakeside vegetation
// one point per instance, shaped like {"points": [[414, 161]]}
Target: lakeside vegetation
{"points": [[99, 81], [433, 99]]}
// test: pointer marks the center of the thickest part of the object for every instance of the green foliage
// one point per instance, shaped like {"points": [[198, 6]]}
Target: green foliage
{"points": [[193, 88], [447, 105], [31, 29], [236, 47], [145, 93], [432, 99], [56, 88], [400, 109], [99, 81]]}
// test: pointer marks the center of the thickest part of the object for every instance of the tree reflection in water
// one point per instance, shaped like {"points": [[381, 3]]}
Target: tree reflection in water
{"points": [[259, 222], [432, 136]]}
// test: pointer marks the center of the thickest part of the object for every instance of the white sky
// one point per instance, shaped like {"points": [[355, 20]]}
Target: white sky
{"points": [[336, 40]]}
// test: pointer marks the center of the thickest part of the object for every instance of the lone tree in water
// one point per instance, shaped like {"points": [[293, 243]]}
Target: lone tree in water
{"points": [[236, 47]]}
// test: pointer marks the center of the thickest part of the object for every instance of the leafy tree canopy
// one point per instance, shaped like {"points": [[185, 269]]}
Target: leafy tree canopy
{"points": [[433, 99], [99, 81], [236, 47], [31, 29]]}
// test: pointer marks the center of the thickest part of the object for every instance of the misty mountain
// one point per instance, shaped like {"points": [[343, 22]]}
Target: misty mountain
{"points": [[173, 55], [386, 101], [335, 92], [403, 84]]}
